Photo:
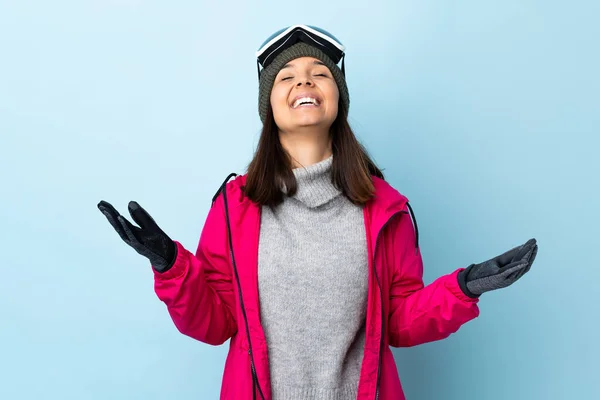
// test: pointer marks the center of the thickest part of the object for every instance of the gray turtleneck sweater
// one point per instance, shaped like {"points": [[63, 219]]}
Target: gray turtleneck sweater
{"points": [[312, 276]]}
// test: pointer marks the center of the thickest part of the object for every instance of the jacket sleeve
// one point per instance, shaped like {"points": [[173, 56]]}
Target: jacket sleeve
{"points": [[198, 289], [418, 313]]}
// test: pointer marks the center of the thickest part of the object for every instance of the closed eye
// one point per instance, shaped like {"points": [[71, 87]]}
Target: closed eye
{"points": [[290, 77]]}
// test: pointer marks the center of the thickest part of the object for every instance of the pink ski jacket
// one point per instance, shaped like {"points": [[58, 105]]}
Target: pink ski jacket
{"points": [[212, 295]]}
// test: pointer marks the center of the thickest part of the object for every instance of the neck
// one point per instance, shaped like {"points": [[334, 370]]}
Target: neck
{"points": [[306, 148]]}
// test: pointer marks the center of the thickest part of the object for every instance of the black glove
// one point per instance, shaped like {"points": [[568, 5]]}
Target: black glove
{"points": [[499, 272], [149, 241]]}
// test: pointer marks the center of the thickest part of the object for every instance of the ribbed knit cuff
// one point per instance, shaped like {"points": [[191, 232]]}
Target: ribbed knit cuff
{"points": [[178, 267], [462, 282]]}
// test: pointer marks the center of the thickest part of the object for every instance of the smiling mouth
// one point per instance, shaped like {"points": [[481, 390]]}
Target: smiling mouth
{"points": [[307, 105], [306, 101]]}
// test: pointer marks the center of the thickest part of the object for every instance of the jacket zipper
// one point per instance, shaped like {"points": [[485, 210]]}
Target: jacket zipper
{"points": [[237, 277], [254, 376], [381, 297]]}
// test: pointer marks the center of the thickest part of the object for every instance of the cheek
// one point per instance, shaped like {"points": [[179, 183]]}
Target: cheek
{"points": [[278, 99], [334, 95]]}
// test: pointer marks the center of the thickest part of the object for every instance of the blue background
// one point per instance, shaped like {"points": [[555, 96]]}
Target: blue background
{"points": [[484, 114]]}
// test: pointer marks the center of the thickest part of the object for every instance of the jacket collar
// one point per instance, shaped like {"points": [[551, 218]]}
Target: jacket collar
{"points": [[386, 202]]}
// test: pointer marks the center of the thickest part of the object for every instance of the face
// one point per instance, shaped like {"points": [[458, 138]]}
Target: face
{"points": [[302, 78]]}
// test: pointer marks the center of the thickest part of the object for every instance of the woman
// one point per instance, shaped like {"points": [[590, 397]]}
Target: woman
{"points": [[310, 262]]}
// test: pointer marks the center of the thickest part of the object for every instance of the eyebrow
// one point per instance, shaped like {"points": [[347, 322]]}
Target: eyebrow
{"points": [[315, 62]]}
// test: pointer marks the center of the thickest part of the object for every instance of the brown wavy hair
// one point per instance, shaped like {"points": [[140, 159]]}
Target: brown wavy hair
{"points": [[271, 165]]}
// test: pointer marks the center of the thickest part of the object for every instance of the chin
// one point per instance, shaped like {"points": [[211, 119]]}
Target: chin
{"points": [[291, 121], [308, 121]]}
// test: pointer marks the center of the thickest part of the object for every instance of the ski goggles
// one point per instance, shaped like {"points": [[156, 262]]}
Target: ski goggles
{"points": [[286, 37]]}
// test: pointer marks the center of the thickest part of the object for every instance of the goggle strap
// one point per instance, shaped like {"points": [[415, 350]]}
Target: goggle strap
{"points": [[258, 68], [343, 67]]}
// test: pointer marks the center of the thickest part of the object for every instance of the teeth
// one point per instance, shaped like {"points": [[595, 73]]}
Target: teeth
{"points": [[304, 100]]}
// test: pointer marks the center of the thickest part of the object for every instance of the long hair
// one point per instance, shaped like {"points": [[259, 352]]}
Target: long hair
{"points": [[271, 166]]}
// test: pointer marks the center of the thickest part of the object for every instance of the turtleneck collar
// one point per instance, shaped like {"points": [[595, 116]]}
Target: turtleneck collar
{"points": [[314, 184]]}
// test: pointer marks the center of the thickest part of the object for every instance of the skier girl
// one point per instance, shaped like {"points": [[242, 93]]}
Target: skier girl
{"points": [[310, 262]]}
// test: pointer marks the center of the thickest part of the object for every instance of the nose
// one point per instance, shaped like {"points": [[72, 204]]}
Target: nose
{"points": [[308, 82]]}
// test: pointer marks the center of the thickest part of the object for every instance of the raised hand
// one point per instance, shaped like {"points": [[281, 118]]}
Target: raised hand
{"points": [[148, 240], [498, 272]]}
